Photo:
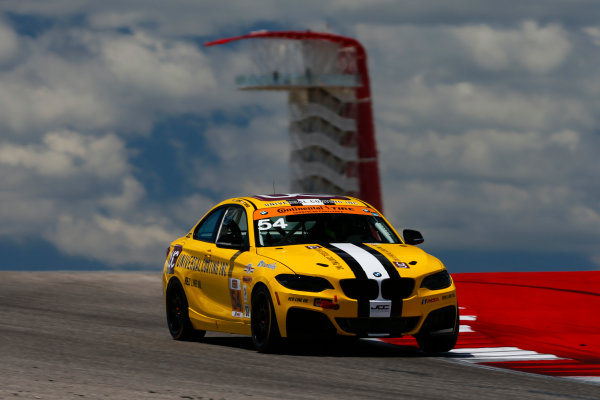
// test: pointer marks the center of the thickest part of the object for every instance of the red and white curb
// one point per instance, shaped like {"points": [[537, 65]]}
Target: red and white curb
{"points": [[476, 348], [518, 359]]}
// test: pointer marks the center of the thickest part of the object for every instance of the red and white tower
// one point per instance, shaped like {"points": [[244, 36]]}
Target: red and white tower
{"points": [[332, 133]]}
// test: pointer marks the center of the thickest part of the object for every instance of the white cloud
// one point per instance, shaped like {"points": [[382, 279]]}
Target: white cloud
{"points": [[533, 48], [67, 153], [487, 130], [111, 240], [594, 33], [157, 67], [9, 44]]}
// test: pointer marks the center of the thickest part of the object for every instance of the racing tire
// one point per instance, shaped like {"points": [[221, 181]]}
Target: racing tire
{"points": [[263, 323], [178, 319], [431, 343]]}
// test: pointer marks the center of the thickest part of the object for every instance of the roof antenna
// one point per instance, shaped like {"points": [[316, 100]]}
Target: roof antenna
{"points": [[273, 186]]}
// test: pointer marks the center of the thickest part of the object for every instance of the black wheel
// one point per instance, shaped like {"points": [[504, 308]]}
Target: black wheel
{"points": [[178, 318], [438, 343], [265, 331]]}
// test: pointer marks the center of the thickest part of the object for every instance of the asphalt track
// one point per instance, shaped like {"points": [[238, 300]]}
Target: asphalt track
{"points": [[103, 336]]}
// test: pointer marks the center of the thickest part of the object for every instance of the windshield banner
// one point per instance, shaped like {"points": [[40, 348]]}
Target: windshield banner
{"points": [[316, 209]]}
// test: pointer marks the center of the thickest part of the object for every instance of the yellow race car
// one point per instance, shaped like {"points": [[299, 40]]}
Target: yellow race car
{"points": [[306, 265]]}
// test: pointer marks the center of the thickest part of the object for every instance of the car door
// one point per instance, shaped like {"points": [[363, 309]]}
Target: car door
{"points": [[197, 253], [217, 243], [232, 247]]}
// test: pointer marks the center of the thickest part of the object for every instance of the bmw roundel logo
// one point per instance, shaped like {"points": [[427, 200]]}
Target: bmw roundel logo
{"points": [[376, 274], [264, 212]]}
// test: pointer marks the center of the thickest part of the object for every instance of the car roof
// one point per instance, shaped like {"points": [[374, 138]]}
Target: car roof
{"points": [[301, 199]]}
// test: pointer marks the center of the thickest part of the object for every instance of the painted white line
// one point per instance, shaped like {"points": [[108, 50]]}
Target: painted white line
{"points": [[468, 317], [483, 349], [465, 328], [592, 379], [499, 354]]}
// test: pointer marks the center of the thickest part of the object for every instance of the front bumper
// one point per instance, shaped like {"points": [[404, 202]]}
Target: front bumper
{"points": [[305, 315]]}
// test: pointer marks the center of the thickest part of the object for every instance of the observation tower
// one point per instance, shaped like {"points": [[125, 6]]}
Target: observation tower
{"points": [[332, 134]]}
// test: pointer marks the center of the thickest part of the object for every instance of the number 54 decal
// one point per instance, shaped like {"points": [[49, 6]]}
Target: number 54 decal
{"points": [[266, 224]]}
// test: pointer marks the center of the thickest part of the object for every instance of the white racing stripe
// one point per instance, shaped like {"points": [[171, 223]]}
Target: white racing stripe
{"points": [[380, 307], [367, 261]]}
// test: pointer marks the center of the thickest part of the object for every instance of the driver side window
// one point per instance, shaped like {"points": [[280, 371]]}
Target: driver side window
{"points": [[206, 230], [234, 228]]}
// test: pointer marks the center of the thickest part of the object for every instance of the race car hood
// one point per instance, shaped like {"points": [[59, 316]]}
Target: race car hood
{"points": [[410, 261]]}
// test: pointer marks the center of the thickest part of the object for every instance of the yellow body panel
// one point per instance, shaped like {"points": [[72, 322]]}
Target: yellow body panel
{"points": [[219, 282]]}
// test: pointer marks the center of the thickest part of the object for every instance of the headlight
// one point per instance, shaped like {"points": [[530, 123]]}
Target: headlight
{"points": [[437, 281], [303, 283]]}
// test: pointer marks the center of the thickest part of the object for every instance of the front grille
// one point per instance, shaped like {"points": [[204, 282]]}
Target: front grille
{"points": [[391, 289], [397, 289], [365, 326], [360, 288]]}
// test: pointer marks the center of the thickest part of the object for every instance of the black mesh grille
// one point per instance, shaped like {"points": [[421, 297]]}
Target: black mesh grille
{"points": [[397, 289], [360, 288], [366, 326], [369, 289]]}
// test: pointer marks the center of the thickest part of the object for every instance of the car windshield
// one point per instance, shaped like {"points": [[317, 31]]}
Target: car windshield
{"points": [[285, 230]]}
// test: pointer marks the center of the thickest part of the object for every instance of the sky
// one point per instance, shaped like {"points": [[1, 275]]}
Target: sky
{"points": [[119, 129]]}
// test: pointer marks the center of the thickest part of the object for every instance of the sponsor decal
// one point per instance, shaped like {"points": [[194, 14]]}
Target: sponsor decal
{"points": [[430, 300], [247, 279], [193, 282], [380, 309], [399, 264], [234, 284], [263, 264], [242, 202], [249, 269], [329, 258], [177, 249], [312, 208], [366, 210], [277, 203], [295, 196], [297, 299], [245, 292], [377, 274], [205, 265], [246, 311], [237, 314], [214, 267], [375, 214], [236, 296], [313, 247], [236, 300], [449, 296], [327, 304]]}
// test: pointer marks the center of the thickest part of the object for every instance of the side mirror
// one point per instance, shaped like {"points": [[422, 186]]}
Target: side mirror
{"points": [[412, 237]]}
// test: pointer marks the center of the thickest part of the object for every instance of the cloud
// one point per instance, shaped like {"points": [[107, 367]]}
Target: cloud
{"points": [[9, 44], [66, 153], [532, 48], [96, 81], [111, 240], [486, 118]]}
